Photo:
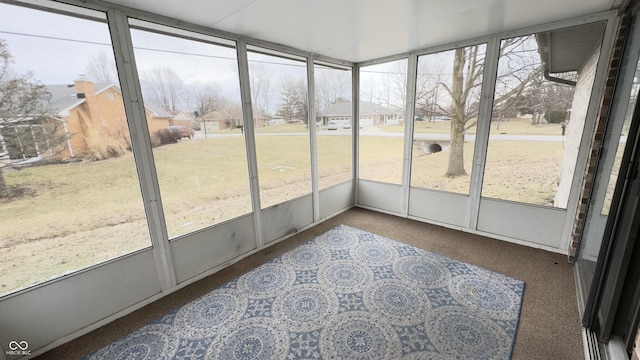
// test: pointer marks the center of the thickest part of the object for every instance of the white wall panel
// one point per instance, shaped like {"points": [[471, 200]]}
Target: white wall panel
{"points": [[336, 199], [448, 208], [536, 224], [204, 250], [382, 196], [286, 218], [48, 313]]}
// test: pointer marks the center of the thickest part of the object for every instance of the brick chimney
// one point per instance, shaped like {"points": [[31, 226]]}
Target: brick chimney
{"points": [[86, 90], [84, 86]]}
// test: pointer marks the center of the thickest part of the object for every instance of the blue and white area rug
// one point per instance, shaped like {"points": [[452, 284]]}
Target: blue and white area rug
{"points": [[347, 294]]}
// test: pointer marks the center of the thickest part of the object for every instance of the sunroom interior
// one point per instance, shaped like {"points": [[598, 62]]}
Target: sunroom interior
{"points": [[175, 139]]}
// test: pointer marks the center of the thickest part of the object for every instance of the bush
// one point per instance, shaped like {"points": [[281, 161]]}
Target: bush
{"points": [[164, 136], [102, 146], [556, 116]]}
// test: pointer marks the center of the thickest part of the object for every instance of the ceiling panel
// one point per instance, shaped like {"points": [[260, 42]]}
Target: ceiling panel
{"points": [[358, 30]]}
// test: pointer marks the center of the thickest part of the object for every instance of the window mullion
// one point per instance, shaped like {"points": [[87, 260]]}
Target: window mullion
{"points": [[141, 145]]}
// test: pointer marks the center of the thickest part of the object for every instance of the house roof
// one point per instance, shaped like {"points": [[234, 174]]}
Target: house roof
{"points": [[181, 115], [232, 113], [61, 98], [157, 112], [345, 109]]}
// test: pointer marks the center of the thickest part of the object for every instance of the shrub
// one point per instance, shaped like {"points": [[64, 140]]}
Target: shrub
{"points": [[166, 137], [556, 116], [155, 140], [102, 146]]}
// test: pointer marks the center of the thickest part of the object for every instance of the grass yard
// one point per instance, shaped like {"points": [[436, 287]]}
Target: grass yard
{"points": [[525, 171], [269, 129], [79, 214], [509, 126]]}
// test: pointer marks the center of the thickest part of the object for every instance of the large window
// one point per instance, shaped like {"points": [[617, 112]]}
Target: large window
{"points": [[281, 124], [334, 111], [541, 98], [383, 89], [622, 141], [190, 87], [69, 192], [446, 115]]}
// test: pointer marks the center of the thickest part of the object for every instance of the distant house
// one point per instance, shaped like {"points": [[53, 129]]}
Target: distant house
{"points": [[222, 119], [181, 118], [84, 109], [229, 118], [370, 114]]}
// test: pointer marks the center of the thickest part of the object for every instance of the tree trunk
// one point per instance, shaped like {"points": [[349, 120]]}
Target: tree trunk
{"points": [[456, 149], [456, 153], [4, 190]]}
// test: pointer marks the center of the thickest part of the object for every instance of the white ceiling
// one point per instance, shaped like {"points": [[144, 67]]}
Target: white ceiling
{"points": [[358, 30]]}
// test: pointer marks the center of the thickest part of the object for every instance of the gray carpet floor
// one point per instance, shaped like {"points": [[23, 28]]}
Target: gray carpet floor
{"points": [[549, 324]]}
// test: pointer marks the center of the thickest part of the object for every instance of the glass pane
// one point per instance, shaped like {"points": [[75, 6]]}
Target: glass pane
{"points": [[69, 191], [615, 169], [537, 120], [192, 98], [383, 89], [446, 115], [279, 96], [334, 106]]}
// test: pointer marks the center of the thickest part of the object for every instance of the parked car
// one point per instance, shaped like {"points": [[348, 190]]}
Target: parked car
{"points": [[181, 132], [332, 125]]}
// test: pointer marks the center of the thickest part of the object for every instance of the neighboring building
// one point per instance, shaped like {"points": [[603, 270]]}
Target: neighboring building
{"points": [[229, 118], [560, 55], [181, 118], [84, 109], [370, 114], [222, 119]]}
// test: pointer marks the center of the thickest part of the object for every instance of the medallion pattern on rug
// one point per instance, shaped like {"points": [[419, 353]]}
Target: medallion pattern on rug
{"points": [[347, 294]]}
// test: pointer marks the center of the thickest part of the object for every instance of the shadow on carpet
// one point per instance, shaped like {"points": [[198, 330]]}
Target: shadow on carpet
{"points": [[347, 294]]}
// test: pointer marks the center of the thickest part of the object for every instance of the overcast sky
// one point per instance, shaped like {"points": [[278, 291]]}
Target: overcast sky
{"points": [[57, 48], [49, 45]]}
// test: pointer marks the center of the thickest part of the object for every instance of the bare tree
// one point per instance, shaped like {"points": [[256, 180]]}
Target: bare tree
{"points": [[519, 72], [164, 88], [431, 99], [519, 66], [332, 86], [260, 84], [101, 68], [545, 99], [206, 98], [385, 83], [467, 70], [368, 89], [26, 128], [396, 81]]}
